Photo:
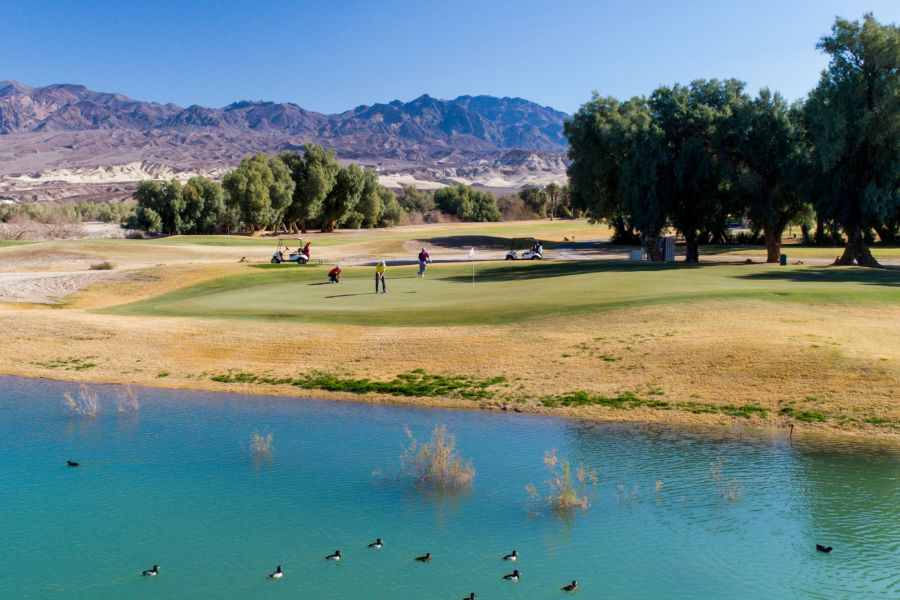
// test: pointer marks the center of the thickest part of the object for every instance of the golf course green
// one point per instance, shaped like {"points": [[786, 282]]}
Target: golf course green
{"points": [[503, 292]]}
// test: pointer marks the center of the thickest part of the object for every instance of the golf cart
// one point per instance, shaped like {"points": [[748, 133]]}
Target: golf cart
{"points": [[526, 255], [296, 256]]}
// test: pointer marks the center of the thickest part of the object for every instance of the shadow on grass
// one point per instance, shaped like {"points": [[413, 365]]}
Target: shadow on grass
{"points": [[885, 277], [491, 242], [351, 295], [541, 270]]}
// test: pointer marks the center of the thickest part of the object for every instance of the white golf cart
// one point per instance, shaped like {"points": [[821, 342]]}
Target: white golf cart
{"points": [[533, 254], [284, 254]]}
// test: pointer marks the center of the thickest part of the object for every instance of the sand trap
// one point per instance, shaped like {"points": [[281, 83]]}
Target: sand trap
{"points": [[48, 288]]}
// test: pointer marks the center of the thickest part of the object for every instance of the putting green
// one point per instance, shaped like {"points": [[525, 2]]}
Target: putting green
{"points": [[504, 292]]}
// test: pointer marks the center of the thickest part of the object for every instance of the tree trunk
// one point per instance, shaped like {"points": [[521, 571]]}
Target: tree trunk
{"points": [[773, 235], [821, 239], [856, 251], [692, 247], [804, 230]]}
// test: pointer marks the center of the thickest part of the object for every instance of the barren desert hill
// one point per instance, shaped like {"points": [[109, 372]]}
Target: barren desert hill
{"points": [[51, 134]]}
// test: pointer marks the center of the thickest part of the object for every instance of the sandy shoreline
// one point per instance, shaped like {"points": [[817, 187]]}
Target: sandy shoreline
{"points": [[718, 423]]}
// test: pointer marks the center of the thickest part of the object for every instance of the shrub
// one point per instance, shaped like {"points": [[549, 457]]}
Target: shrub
{"points": [[437, 464], [567, 490], [102, 266], [127, 401], [84, 403], [261, 444], [467, 203]]}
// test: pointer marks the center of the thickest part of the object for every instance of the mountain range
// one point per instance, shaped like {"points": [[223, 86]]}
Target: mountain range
{"points": [[44, 130]]}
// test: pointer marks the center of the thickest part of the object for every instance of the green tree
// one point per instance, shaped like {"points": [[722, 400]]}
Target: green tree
{"points": [[370, 202], [617, 157], [535, 199], [343, 197], [853, 119], [391, 211], [163, 199], [415, 200], [314, 176], [773, 163], [204, 206], [262, 188], [695, 179], [553, 192], [467, 203]]}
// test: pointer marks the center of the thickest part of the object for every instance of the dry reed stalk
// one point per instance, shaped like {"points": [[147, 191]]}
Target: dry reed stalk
{"points": [[85, 402], [437, 463]]}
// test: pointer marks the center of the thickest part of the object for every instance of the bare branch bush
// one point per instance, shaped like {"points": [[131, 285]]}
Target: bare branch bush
{"points": [[84, 403], [568, 487], [437, 463]]}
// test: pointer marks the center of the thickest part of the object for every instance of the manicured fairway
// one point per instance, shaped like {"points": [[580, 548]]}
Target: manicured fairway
{"points": [[505, 292]]}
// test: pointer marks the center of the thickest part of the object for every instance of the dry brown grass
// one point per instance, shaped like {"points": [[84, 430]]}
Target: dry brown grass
{"points": [[843, 363]]}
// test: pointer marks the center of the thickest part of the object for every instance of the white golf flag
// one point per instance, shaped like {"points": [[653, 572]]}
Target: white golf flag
{"points": [[472, 253]]}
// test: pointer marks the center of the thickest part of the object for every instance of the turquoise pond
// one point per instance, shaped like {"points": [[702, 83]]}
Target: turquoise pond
{"points": [[177, 485]]}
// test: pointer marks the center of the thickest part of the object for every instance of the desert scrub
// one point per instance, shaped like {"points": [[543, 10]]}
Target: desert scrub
{"points": [[567, 488], [436, 464], [261, 444], [415, 383], [102, 266], [84, 403]]}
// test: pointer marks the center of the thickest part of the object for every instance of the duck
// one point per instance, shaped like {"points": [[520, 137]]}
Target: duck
{"points": [[514, 576], [277, 573], [825, 549], [425, 558], [514, 555], [471, 596], [72, 463], [377, 544], [571, 587], [151, 572], [335, 556]]}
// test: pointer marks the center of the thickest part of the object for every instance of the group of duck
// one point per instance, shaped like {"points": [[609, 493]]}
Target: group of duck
{"points": [[378, 544]]}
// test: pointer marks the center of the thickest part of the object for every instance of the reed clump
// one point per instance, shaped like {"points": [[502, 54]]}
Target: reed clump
{"points": [[127, 402], [437, 464], [83, 403], [261, 444], [728, 488], [567, 486]]}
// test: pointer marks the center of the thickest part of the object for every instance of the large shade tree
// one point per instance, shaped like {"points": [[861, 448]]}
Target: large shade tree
{"points": [[695, 180], [853, 119], [766, 140], [314, 174], [343, 196], [617, 157], [261, 187]]}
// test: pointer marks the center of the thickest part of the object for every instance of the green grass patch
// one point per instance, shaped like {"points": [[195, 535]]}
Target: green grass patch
{"points": [[416, 383], [72, 363], [878, 421], [808, 416], [629, 400]]}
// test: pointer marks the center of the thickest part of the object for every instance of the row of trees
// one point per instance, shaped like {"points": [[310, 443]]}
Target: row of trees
{"points": [[694, 156], [290, 191]]}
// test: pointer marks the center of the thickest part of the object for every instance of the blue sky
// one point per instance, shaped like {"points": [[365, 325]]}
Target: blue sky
{"points": [[333, 55]]}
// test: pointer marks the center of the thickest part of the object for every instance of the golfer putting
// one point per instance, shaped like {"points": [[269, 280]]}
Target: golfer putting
{"points": [[379, 276]]}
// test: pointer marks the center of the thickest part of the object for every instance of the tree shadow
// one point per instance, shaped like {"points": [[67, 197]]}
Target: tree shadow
{"points": [[887, 277], [542, 270], [491, 242]]}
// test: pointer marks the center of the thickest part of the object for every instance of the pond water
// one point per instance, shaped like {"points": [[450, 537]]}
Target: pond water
{"points": [[738, 515]]}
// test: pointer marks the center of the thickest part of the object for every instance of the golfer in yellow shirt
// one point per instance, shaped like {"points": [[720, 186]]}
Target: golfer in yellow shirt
{"points": [[379, 276]]}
